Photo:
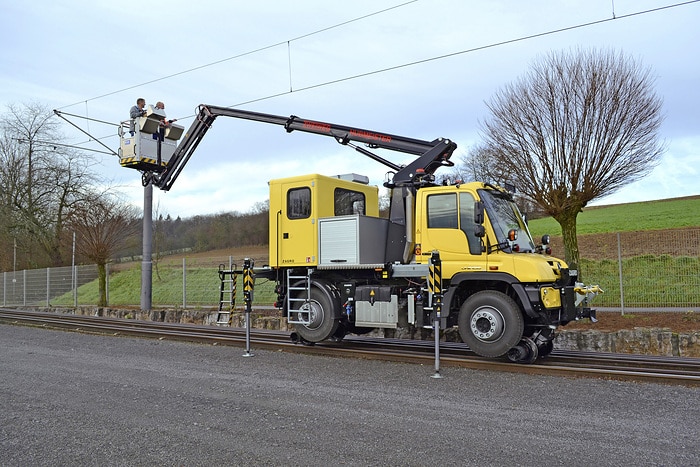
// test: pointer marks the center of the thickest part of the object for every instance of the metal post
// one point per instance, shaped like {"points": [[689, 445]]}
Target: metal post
{"points": [[184, 283], [48, 287], [24, 287], [75, 289], [146, 264], [435, 291], [619, 266], [74, 276], [248, 284], [14, 273], [107, 283]]}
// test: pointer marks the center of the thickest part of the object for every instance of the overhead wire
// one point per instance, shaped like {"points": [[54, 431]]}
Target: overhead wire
{"points": [[461, 52], [614, 17], [473, 49], [243, 54]]}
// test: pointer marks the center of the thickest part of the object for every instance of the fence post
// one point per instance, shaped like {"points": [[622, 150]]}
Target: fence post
{"points": [[75, 287], [106, 283], [619, 266], [48, 287], [24, 287], [184, 283]]}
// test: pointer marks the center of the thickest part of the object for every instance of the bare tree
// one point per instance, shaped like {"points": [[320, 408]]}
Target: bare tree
{"points": [[102, 224], [578, 126], [478, 165], [41, 181]]}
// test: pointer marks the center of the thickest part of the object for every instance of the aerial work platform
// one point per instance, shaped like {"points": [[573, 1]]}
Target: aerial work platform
{"points": [[140, 150]]}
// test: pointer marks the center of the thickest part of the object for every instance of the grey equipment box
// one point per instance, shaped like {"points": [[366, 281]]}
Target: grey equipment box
{"points": [[376, 307], [347, 241]]}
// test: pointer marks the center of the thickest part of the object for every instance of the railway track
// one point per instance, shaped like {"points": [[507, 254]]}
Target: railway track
{"points": [[665, 370]]}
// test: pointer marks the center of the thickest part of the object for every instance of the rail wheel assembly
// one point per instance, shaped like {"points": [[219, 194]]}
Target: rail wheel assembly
{"points": [[525, 352]]}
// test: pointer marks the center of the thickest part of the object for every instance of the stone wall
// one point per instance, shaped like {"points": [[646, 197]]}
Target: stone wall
{"points": [[644, 341]]}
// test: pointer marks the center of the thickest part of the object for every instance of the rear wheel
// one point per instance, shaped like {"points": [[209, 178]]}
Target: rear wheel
{"points": [[490, 323], [321, 311]]}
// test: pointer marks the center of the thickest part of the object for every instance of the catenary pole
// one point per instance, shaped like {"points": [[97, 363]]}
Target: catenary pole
{"points": [[146, 264]]}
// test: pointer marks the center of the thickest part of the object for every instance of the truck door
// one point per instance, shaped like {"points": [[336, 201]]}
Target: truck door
{"points": [[297, 227], [450, 229]]}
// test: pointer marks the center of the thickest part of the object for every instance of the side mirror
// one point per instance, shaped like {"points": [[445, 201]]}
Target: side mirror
{"points": [[479, 212], [512, 235], [545, 239], [480, 231]]}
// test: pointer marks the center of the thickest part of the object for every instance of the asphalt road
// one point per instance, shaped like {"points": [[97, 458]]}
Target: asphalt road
{"points": [[74, 399]]}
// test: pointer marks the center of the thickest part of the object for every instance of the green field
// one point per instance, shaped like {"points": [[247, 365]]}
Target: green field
{"points": [[202, 289], [649, 215], [661, 274]]}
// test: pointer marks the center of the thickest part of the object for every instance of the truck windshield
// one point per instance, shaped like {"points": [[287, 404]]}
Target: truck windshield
{"points": [[504, 216]]}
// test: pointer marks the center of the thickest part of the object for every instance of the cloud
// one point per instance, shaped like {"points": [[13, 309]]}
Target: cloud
{"points": [[98, 61]]}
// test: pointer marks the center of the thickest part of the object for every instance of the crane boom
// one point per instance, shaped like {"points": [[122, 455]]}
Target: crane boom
{"points": [[431, 154]]}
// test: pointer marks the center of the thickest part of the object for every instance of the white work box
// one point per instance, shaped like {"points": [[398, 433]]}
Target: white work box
{"points": [[174, 132]]}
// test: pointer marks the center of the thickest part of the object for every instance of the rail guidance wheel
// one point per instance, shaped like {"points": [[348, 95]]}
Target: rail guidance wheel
{"points": [[525, 352], [323, 322], [490, 323]]}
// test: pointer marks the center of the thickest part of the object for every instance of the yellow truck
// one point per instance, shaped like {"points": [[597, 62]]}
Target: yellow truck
{"points": [[453, 254]]}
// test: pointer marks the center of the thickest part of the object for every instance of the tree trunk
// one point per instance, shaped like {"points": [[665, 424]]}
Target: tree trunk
{"points": [[567, 221], [102, 281]]}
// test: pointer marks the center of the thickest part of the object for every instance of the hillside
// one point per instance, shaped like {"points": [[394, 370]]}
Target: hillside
{"points": [[663, 214], [644, 228]]}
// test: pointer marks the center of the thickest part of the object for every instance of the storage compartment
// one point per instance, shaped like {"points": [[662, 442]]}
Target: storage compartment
{"points": [[352, 240], [376, 307]]}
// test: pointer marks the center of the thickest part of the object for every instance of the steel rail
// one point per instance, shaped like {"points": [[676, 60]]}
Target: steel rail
{"points": [[657, 369]]}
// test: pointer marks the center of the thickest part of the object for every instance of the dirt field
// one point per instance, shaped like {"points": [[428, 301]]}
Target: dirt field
{"points": [[675, 242]]}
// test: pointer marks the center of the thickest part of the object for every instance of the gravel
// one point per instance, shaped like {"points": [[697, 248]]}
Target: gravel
{"points": [[76, 399]]}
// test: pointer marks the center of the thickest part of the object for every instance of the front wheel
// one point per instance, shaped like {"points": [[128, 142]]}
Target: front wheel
{"points": [[321, 313], [490, 323]]}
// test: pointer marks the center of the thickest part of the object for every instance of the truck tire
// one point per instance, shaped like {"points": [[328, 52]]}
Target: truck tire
{"points": [[490, 323], [323, 316]]}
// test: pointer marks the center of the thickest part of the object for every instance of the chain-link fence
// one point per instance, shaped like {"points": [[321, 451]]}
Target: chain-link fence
{"points": [[39, 287], [196, 283], [652, 271], [645, 270]]}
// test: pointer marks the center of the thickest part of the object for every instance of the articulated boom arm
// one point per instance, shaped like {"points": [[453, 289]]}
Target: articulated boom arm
{"points": [[432, 155]]}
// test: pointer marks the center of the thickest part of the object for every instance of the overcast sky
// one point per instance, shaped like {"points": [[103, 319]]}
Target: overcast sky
{"points": [[323, 60]]}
